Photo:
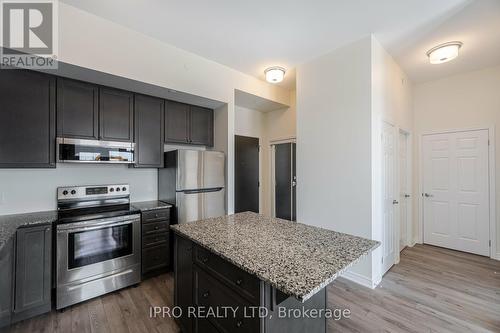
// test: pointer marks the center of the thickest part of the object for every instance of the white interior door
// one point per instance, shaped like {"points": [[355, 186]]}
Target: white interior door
{"points": [[404, 193], [455, 186], [389, 248]]}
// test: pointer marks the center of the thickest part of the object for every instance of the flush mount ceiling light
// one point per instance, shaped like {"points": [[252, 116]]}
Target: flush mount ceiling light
{"points": [[444, 52], [274, 74]]}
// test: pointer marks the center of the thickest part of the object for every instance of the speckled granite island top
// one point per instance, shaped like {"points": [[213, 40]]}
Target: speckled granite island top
{"points": [[297, 259]]}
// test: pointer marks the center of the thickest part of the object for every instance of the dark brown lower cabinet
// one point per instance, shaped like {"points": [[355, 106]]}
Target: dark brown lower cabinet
{"points": [[6, 282], [183, 277], [155, 242], [33, 272], [203, 280]]}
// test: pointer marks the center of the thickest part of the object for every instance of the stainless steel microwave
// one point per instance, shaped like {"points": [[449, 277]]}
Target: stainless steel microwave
{"points": [[94, 151]]}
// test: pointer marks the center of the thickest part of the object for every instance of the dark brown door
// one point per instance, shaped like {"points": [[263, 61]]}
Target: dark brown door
{"points": [[285, 181], [149, 131], [116, 115], [246, 174], [77, 109], [176, 122], [27, 119], [201, 125]]}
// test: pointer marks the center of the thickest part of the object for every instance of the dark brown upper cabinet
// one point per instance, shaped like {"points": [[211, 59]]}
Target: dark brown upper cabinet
{"points": [[188, 124], [116, 115], [77, 109], [27, 119], [149, 131], [176, 122], [201, 123]]}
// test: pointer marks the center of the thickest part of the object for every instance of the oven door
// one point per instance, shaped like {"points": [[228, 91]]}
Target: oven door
{"points": [[92, 249]]}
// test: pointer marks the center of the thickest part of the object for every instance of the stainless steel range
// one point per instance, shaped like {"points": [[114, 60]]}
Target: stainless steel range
{"points": [[98, 242]]}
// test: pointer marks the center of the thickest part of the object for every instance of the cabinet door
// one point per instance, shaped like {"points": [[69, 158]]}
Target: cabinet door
{"points": [[176, 122], [183, 280], [201, 125], [27, 119], [33, 271], [149, 131], [77, 109], [6, 280], [116, 115]]}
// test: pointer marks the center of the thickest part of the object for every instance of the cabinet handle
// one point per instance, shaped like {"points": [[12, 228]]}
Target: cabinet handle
{"points": [[239, 282], [239, 323], [206, 294]]}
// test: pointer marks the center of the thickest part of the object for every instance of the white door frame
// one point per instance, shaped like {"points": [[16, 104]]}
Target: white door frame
{"points": [[492, 195], [409, 227], [272, 170], [409, 181], [395, 168]]}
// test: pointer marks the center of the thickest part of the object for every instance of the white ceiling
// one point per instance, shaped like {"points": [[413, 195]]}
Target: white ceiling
{"points": [[477, 25], [252, 35]]}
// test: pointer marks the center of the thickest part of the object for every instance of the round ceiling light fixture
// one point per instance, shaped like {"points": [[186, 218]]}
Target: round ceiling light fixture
{"points": [[444, 52], [274, 74]]}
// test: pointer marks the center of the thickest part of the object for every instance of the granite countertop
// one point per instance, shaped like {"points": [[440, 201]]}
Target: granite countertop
{"points": [[297, 259], [150, 205], [10, 223]]}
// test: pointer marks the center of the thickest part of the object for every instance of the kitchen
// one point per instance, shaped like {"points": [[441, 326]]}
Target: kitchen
{"points": [[98, 241], [160, 175]]}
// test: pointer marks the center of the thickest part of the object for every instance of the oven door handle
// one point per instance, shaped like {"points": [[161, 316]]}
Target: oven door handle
{"points": [[96, 226]]}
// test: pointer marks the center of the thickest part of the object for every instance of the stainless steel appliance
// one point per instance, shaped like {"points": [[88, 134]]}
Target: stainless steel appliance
{"points": [[193, 181], [94, 151], [98, 240]]}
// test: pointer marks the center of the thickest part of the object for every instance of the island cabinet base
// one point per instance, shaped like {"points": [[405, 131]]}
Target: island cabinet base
{"points": [[216, 296]]}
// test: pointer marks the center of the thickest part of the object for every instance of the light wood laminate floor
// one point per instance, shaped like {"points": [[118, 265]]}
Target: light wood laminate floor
{"points": [[430, 290]]}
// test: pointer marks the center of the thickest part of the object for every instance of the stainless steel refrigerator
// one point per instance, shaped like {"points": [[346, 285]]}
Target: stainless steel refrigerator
{"points": [[193, 181]]}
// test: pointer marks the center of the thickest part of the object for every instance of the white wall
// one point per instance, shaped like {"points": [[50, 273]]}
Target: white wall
{"points": [[463, 101], [334, 143], [92, 42], [342, 98], [35, 189]]}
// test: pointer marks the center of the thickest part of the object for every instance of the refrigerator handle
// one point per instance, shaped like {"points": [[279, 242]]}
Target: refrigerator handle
{"points": [[203, 191]]}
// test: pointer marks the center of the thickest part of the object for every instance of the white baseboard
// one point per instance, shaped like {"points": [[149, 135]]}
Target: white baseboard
{"points": [[361, 279], [496, 256]]}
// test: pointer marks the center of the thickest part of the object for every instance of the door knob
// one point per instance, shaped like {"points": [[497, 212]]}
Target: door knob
{"points": [[395, 202], [427, 195]]}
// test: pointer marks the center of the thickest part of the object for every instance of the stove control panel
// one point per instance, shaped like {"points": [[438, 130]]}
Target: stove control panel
{"points": [[89, 192]]}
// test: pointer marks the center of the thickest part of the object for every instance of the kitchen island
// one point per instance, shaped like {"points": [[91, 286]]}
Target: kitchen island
{"points": [[250, 273]]}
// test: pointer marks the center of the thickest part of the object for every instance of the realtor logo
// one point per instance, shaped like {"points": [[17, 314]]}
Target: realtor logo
{"points": [[29, 33]]}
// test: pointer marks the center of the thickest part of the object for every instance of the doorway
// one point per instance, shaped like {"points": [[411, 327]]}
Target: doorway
{"points": [[389, 202], [285, 180], [455, 190], [404, 189], [246, 174]]}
